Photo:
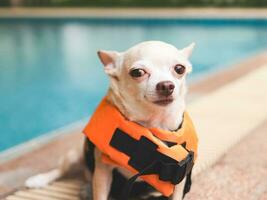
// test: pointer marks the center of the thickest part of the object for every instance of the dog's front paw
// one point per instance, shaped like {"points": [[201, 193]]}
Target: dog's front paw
{"points": [[37, 181]]}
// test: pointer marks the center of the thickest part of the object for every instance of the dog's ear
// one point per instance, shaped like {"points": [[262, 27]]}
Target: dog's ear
{"points": [[187, 51], [108, 59]]}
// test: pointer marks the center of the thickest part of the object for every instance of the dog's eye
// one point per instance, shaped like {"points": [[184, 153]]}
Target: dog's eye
{"points": [[179, 69], [135, 73]]}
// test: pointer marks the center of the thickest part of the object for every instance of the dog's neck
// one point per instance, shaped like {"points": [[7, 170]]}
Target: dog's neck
{"points": [[168, 118]]}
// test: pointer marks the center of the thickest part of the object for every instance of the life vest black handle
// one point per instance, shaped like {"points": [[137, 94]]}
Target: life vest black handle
{"points": [[175, 172]]}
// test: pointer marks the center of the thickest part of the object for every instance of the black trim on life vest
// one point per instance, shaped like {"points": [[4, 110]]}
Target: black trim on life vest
{"points": [[188, 183], [169, 144], [184, 145], [145, 158]]}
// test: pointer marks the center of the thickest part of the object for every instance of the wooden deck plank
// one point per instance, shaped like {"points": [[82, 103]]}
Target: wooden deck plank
{"points": [[16, 198], [61, 189], [33, 196], [54, 194]]}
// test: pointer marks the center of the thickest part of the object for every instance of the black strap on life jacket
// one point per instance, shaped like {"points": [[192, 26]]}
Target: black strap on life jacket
{"points": [[188, 183], [145, 158]]}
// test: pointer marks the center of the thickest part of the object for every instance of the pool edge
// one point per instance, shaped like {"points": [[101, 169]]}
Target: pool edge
{"points": [[32, 144], [137, 13]]}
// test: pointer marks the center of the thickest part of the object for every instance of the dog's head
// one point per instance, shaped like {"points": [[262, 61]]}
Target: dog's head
{"points": [[149, 76]]}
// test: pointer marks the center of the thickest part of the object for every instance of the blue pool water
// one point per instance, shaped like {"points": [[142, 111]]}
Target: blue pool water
{"points": [[50, 75]]}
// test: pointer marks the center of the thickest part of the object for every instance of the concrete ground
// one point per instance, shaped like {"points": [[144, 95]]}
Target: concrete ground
{"points": [[240, 174], [225, 169]]}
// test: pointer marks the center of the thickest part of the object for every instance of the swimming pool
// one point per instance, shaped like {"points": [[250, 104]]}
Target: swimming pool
{"points": [[50, 75]]}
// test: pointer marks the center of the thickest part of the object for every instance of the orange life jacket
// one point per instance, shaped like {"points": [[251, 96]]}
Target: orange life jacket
{"points": [[141, 150]]}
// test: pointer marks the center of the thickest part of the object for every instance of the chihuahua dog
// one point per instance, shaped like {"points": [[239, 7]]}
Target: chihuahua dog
{"points": [[148, 86]]}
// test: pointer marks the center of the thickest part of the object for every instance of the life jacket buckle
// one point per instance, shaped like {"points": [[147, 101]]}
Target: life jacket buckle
{"points": [[176, 171]]}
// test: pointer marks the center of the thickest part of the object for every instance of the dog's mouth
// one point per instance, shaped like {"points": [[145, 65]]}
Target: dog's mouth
{"points": [[164, 102]]}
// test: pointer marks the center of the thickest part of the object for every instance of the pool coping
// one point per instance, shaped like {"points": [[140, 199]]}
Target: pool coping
{"points": [[224, 76], [65, 139], [134, 13], [35, 143]]}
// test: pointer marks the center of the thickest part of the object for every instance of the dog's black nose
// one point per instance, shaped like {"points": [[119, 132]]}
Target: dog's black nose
{"points": [[165, 88]]}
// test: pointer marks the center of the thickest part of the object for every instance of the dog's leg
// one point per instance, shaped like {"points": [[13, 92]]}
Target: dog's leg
{"points": [[178, 191], [65, 163], [102, 178]]}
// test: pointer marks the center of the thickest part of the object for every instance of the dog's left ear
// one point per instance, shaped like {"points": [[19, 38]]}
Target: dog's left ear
{"points": [[109, 60], [187, 51]]}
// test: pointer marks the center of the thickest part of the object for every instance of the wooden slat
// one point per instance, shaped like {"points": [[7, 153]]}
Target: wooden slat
{"points": [[17, 198], [54, 194], [61, 190], [56, 188], [30, 195]]}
